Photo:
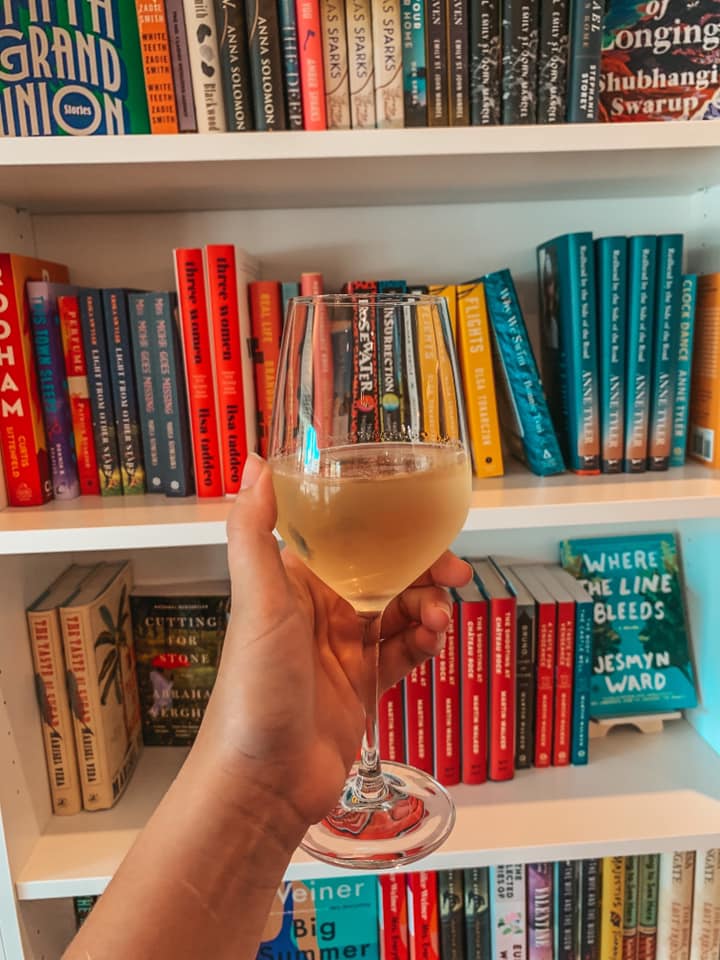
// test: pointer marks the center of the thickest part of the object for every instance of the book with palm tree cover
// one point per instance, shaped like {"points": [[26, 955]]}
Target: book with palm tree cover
{"points": [[102, 683], [642, 661]]}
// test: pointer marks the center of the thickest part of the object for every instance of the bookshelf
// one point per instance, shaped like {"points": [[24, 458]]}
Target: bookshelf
{"points": [[429, 205]]}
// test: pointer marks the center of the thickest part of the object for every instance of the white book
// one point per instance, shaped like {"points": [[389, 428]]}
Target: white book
{"points": [[508, 915], [205, 70], [361, 66], [675, 896], [705, 935], [335, 58], [387, 55]]}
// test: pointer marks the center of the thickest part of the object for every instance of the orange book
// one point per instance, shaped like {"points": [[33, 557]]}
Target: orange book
{"points": [[157, 66], [449, 291], [266, 320], [312, 76], [705, 390], [428, 368]]}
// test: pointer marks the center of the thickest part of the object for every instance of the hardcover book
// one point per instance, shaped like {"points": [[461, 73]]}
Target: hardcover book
{"points": [[668, 276], [705, 388], [630, 910], [446, 706], [476, 883], [675, 904], [641, 648], [585, 43], [202, 38], [705, 933], [157, 66], [418, 718], [437, 61], [266, 322], [683, 357], [540, 920], [335, 60], [566, 906], [388, 60], [423, 925], [414, 63], [147, 382], [485, 63], [457, 12], [391, 726], [519, 56], [266, 65], [508, 910], [312, 80], [474, 665], [452, 918], [361, 66], [612, 904], [393, 917], [648, 877], [552, 61], [611, 267], [234, 64], [287, 18], [640, 306], [590, 896], [180, 57]]}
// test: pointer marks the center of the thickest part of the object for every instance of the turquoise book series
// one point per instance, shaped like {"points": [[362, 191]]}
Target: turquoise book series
{"points": [[681, 407], [611, 269], [641, 299], [642, 660]]}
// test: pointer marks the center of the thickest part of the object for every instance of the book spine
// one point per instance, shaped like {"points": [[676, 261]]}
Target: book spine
{"points": [[429, 372], [590, 881], [418, 718], [265, 65], [79, 394], [630, 910], [266, 325], [705, 935], [524, 685], [566, 908], [665, 343], [364, 413], [641, 295], [648, 879], [474, 694], [423, 915], [612, 902], [540, 911], [125, 403], [393, 917], [584, 384], [451, 909], [180, 58], [311, 284], [287, 19], [446, 699], [438, 102], [414, 63], [100, 387], [335, 60], [361, 66], [545, 682], [458, 28], [53, 392], [477, 913], [245, 275], [190, 281], [675, 893], [57, 723], [312, 80], [611, 267], [681, 407], [586, 23], [224, 318], [564, 656], [391, 734], [485, 63], [234, 64], [582, 680], [202, 37], [508, 910], [703, 423], [392, 399], [502, 630], [157, 66], [388, 59], [146, 379], [552, 62], [82, 907], [519, 54]]}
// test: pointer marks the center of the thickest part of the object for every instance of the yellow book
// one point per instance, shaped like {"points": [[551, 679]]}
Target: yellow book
{"points": [[449, 291], [448, 416], [428, 369], [475, 356], [612, 909]]}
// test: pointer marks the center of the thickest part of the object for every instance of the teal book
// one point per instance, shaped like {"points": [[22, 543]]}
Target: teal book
{"points": [[288, 291], [668, 279], [566, 275], [640, 305], [526, 418], [642, 660], [476, 882], [414, 64], [611, 275], [681, 407]]}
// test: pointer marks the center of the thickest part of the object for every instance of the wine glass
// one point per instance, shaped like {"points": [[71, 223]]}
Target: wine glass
{"points": [[371, 470]]}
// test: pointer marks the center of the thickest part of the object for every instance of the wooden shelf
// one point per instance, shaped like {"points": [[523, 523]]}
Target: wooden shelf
{"points": [[358, 167], [639, 794]]}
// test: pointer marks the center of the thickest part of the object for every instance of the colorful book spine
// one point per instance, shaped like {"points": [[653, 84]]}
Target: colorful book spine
{"points": [[681, 408], [446, 706], [391, 733], [147, 380], [247, 270], [388, 60], [157, 66], [418, 718], [485, 63], [611, 267], [335, 60], [414, 63], [287, 18], [552, 61], [540, 921], [519, 34], [265, 315], [452, 917], [564, 665], [630, 910], [612, 904], [473, 625], [590, 894], [190, 281], [668, 276], [508, 910], [705, 934], [423, 926], [566, 900], [101, 400], [47, 343], [437, 63], [640, 305], [78, 393], [125, 401], [648, 883], [476, 882], [202, 39], [458, 32], [361, 67], [235, 64], [312, 80], [586, 25], [180, 57], [704, 391], [675, 896], [393, 912], [364, 412], [449, 291], [288, 290]]}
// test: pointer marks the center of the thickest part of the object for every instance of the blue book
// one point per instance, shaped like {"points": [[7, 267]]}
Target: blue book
{"points": [[291, 63], [392, 286], [412, 16], [681, 408], [611, 271], [566, 908], [566, 275], [668, 279], [147, 379], [288, 291], [642, 661], [528, 425], [640, 305]]}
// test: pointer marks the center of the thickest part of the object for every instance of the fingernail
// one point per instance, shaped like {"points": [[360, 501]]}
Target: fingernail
{"points": [[252, 470], [439, 643], [446, 609]]}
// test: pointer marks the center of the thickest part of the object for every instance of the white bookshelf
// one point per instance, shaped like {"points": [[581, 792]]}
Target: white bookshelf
{"points": [[440, 205]]}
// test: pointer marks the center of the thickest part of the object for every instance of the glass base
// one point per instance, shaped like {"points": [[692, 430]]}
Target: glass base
{"points": [[414, 818]]}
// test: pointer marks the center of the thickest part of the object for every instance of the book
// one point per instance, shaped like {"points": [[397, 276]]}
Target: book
{"points": [[266, 322], [147, 383], [51, 689], [393, 915], [528, 427], [485, 63], [477, 913], [566, 274], [657, 63], [476, 368], [418, 718], [388, 60], [180, 59], [437, 63], [288, 290], [452, 914], [457, 13], [157, 66], [648, 877], [234, 64], [125, 401], [446, 705], [641, 647], [612, 902], [540, 919], [414, 63], [178, 633], [312, 80], [449, 292], [630, 910], [54, 397], [101, 395], [61, 91], [683, 359], [82, 907], [335, 60], [519, 37], [26, 463], [246, 268], [361, 66], [705, 932], [472, 627], [668, 274], [704, 395], [190, 282], [287, 19], [423, 932], [391, 726], [566, 905], [102, 683], [205, 72], [675, 898], [266, 68], [640, 305], [552, 61], [590, 895], [508, 911], [585, 42], [611, 268], [364, 412]]}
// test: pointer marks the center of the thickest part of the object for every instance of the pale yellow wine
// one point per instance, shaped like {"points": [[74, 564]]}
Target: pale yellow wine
{"points": [[370, 518]]}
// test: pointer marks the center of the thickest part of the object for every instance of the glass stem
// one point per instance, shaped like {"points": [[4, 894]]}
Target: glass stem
{"points": [[369, 785]]}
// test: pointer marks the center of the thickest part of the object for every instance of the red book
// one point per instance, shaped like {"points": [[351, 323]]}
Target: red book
{"points": [[446, 698], [418, 718], [393, 917], [225, 320], [312, 76], [544, 664], [390, 724], [501, 645], [190, 278], [311, 284], [423, 915], [472, 627], [266, 322], [79, 394]]}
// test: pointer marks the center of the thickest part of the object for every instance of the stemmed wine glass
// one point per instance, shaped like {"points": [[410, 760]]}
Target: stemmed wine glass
{"points": [[371, 471]]}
